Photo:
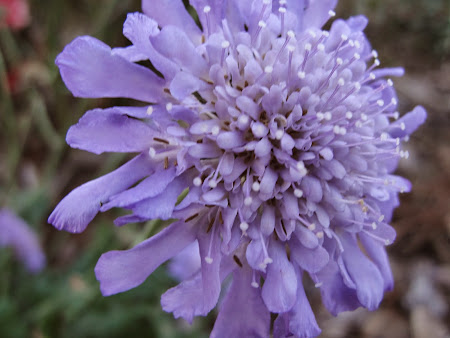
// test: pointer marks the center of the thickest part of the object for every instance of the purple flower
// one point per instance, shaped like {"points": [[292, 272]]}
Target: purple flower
{"points": [[15, 233], [284, 134]]}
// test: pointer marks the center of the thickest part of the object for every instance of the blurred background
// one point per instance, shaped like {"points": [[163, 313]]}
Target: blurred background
{"points": [[37, 169]]}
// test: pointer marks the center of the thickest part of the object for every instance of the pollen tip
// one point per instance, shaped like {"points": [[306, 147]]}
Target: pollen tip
{"points": [[206, 9], [150, 111], [208, 260], [255, 285]]}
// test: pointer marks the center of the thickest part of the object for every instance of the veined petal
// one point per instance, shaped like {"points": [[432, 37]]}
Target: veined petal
{"points": [[106, 130], [173, 43], [184, 84], [119, 271], [150, 187], [280, 286], [77, 209], [367, 278], [138, 28], [241, 299], [90, 69], [172, 12]]}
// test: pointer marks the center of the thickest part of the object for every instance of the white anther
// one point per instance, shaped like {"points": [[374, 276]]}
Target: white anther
{"points": [[312, 33], [243, 226], [248, 201], [268, 260], [406, 138], [348, 115], [387, 242], [331, 13], [308, 47], [328, 116], [290, 48], [351, 43], [212, 184], [243, 119], [268, 69], [319, 234], [208, 260], [397, 141], [390, 82], [282, 10], [384, 136], [406, 154], [291, 34], [374, 53], [197, 181], [225, 44], [152, 152], [339, 61], [396, 115], [206, 9], [215, 130], [374, 226], [150, 111], [320, 116], [312, 226], [256, 186], [255, 285], [169, 106], [357, 44], [341, 82], [372, 76], [279, 134], [321, 47], [301, 75], [344, 37], [363, 117], [325, 34], [336, 129], [318, 285], [357, 86], [343, 131], [358, 124], [262, 24], [402, 126], [300, 165], [298, 193], [377, 62], [394, 101]]}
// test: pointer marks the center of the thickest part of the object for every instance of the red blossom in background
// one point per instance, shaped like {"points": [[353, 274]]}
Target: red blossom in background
{"points": [[14, 14]]}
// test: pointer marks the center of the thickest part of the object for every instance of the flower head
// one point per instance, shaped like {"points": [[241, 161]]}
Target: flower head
{"points": [[285, 135], [15, 233]]}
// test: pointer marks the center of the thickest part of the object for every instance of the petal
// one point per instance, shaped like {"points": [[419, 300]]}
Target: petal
{"points": [[367, 278], [336, 296], [317, 13], [311, 260], [150, 187], [409, 123], [172, 12], [312, 188], [16, 233], [268, 220], [138, 28], [280, 287], [107, 130], [377, 253], [242, 296], [77, 209], [230, 139], [267, 184], [173, 43], [301, 321], [162, 205], [90, 69], [184, 84], [186, 263], [119, 271]]}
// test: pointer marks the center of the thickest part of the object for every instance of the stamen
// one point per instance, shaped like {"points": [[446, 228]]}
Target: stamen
{"points": [[207, 10], [152, 152], [197, 181], [225, 45], [254, 283], [169, 106], [256, 186], [150, 111], [298, 193]]}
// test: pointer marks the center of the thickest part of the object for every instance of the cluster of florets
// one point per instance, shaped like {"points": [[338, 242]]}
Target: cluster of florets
{"points": [[284, 136]]}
